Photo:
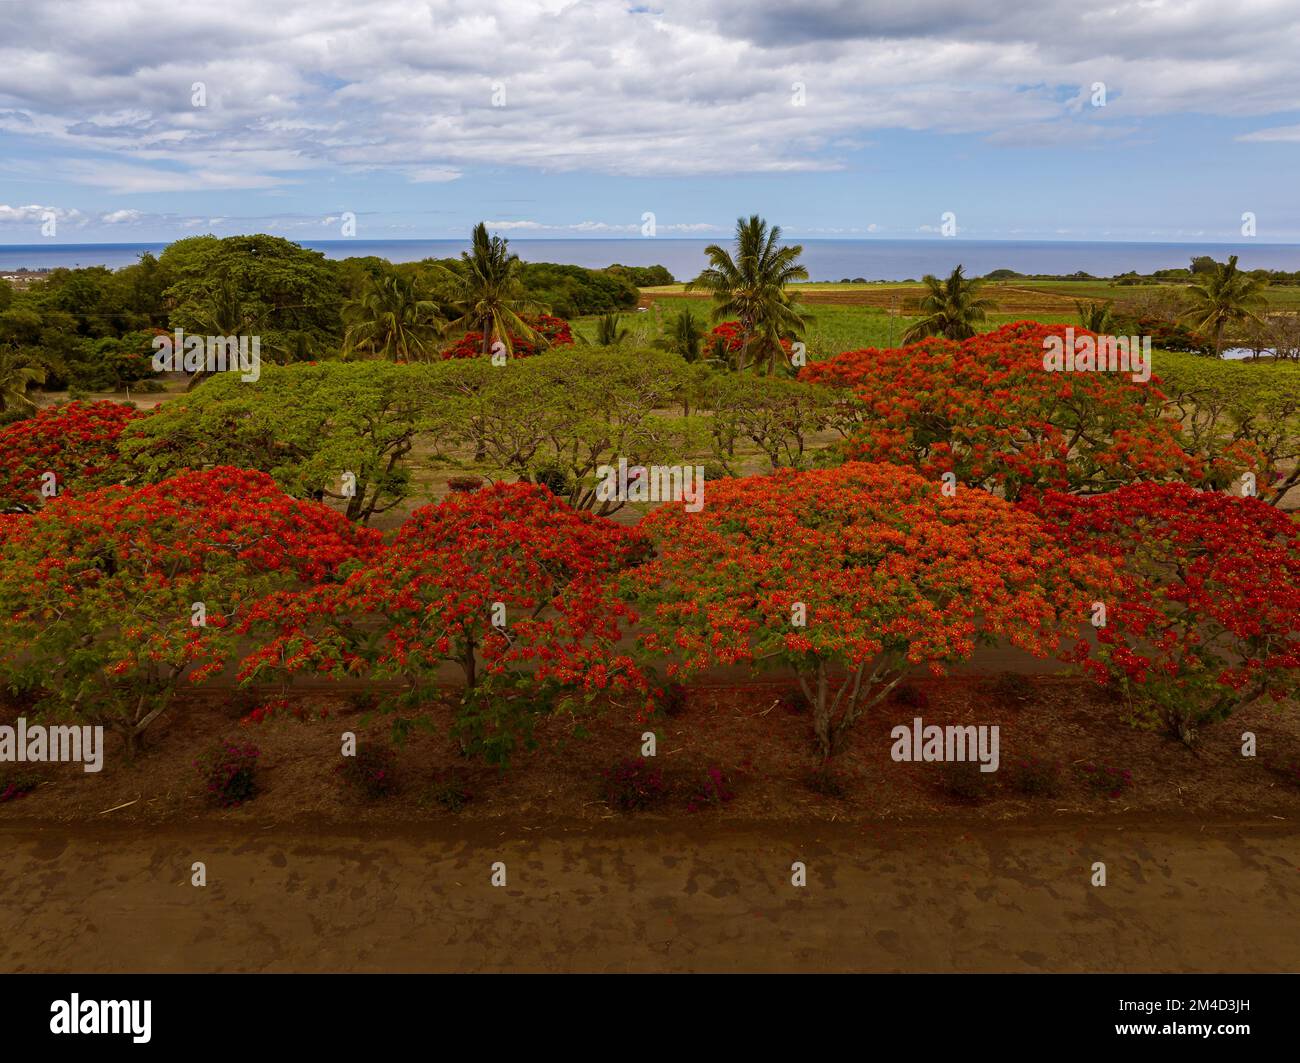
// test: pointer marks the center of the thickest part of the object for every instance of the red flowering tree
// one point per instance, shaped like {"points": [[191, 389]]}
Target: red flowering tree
{"points": [[509, 584], [58, 450], [851, 577], [110, 600], [1205, 614], [727, 340], [988, 411], [554, 330]]}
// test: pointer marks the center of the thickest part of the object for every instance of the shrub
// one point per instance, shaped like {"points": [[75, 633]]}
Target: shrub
{"points": [[16, 784], [1288, 771], [363, 701], [713, 789], [1102, 779], [827, 782], [372, 773], [1012, 686], [229, 773], [672, 702], [465, 483], [554, 477], [552, 331], [634, 784], [911, 697], [448, 792], [1035, 777], [964, 781]]}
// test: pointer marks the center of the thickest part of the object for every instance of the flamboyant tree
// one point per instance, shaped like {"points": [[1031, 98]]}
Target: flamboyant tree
{"points": [[110, 600], [851, 577], [59, 450], [986, 410], [509, 584], [548, 332], [1205, 613]]}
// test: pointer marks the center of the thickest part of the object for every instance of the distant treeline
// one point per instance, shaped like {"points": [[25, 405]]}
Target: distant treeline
{"points": [[91, 329]]}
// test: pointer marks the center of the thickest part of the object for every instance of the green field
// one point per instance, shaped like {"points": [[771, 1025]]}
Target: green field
{"points": [[834, 327]]}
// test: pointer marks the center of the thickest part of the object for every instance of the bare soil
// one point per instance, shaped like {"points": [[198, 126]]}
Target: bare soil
{"points": [[758, 734]]}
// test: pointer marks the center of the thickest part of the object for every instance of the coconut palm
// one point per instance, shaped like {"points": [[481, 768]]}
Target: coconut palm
{"points": [[752, 288], [952, 308], [393, 318], [488, 290], [1226, 296], [683, 336], [610, 331], [17, 373], [1096, 317], [222, 314]]}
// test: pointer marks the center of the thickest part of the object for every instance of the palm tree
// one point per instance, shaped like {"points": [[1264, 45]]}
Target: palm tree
{"points": [[609, 330], [222, 314], [17, 372], [1226, 296], [392, 318], [683, 336], [1096, 317], [489, 291], [752, 288], [951, 306]]}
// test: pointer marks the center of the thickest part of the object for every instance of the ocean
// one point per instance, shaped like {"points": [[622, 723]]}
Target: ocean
{"points": [[826, 260]]}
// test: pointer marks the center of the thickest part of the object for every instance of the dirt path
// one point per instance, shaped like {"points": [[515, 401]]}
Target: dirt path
{"points": [[1180, 898]]}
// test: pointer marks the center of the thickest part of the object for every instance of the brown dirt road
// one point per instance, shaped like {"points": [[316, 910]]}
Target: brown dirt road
{"points": [[1183, 897]]}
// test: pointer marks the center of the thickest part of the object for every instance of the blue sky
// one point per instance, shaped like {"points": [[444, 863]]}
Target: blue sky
{"points": [[552, 118]]}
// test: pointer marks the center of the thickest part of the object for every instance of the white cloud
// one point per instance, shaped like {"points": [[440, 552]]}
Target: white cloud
{"points": [[691, 87], [36, 215]]}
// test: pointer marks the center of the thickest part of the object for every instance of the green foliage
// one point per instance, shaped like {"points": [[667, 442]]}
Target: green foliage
{"points": [[1225, 296], [487, 289], [571, 291], [393, 317], [952, 308], [574, 410], [1096, 317], [1222, 404], [753, 288], [610, 331], [257, 285], [305, 425], [778, 415], [642, 276], [17, 373], [683, 336]]}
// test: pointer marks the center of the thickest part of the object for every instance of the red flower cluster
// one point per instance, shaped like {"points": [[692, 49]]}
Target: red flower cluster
{"points": [[988, 411], [554, 330], [865, 569], [100, 593], [730, 333], [487, 581], [77, 443], [1205, 612]]}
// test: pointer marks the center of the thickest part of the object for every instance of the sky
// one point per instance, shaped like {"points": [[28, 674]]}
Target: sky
{"points": [[1012, 119]]}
